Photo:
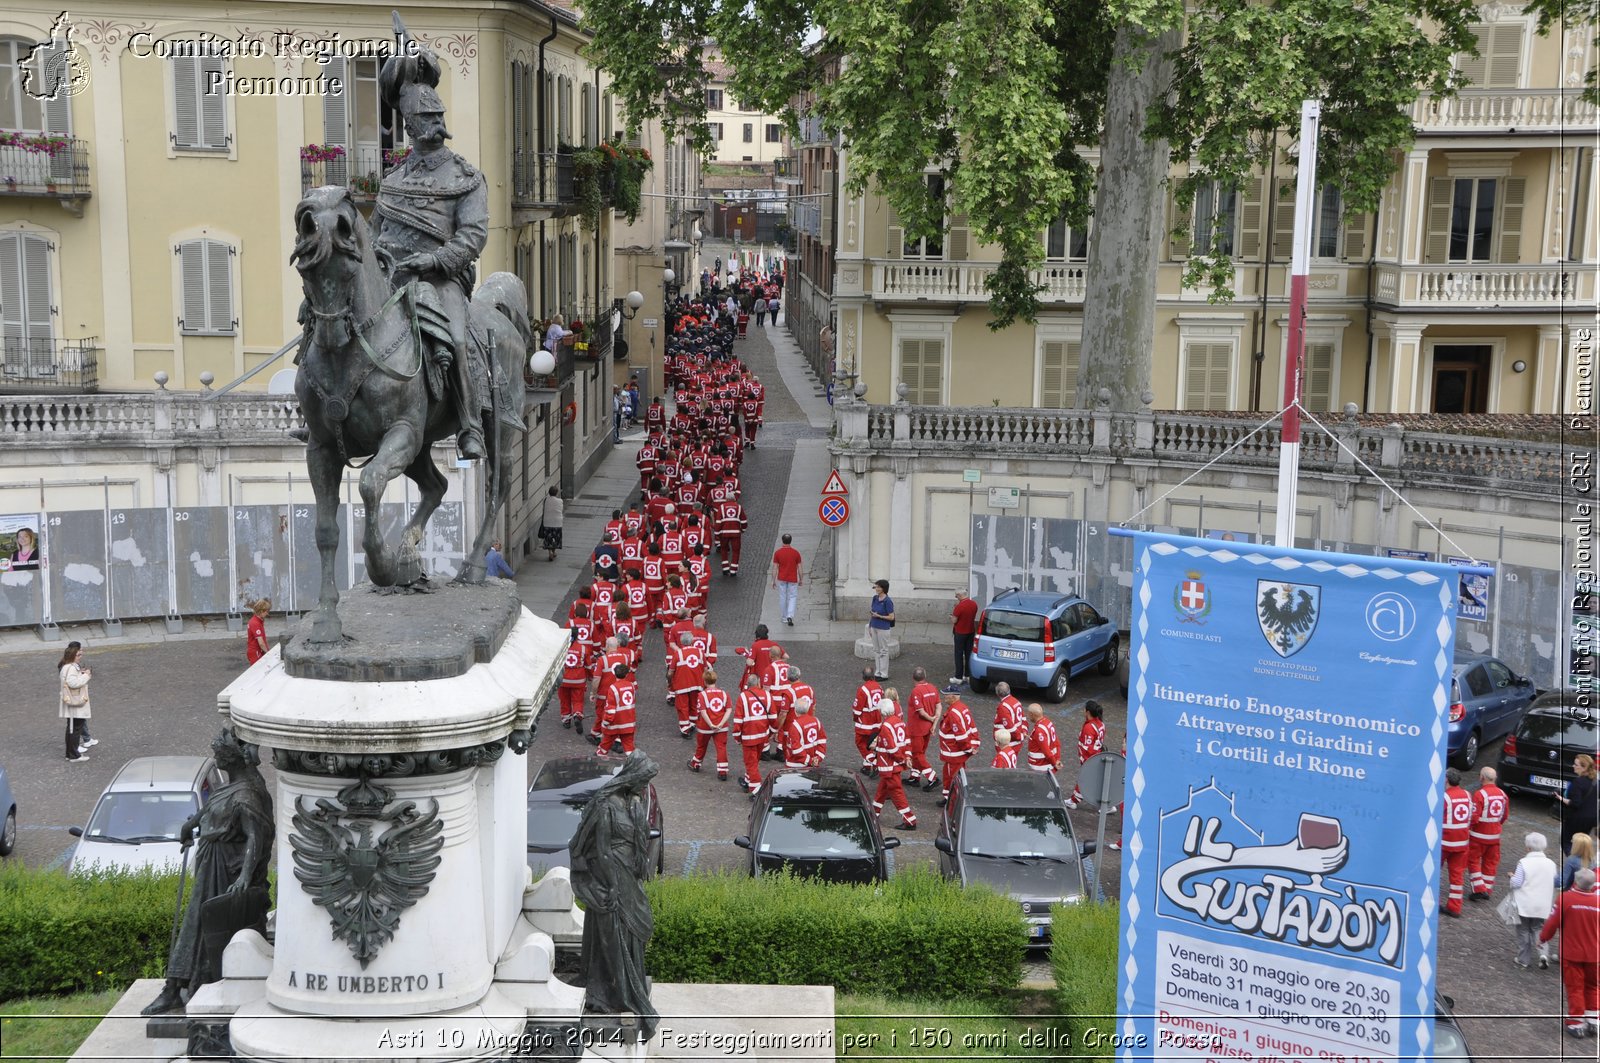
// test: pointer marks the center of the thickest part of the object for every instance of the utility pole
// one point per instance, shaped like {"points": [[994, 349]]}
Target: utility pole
{"points": [[1305, 197]]}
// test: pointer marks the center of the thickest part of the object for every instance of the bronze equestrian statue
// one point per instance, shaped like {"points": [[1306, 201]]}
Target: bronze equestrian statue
{"points": [[396, 355]]}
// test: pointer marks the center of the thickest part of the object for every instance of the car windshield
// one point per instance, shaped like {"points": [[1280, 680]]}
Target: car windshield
{"points": [[551, 824], [816, 830], [141, 815], [1004, 624], [1574, 729], [1027, 832]]}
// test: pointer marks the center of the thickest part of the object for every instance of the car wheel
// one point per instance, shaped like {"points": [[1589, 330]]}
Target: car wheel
{"points": [[1108, 663], [1056, 692], [1469, 752], [8, 833], [978, 684]]}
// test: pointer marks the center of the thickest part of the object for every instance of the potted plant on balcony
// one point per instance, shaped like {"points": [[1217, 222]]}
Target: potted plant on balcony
{"points": [[628, 166], [394, 157], [312, 154], [49, 144], [588, 185]]}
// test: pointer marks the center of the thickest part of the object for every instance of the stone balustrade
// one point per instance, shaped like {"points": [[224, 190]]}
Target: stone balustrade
{"points": [[1191, 438], [1504, 111], [1484, 285], [165, 416], [964, 282]]}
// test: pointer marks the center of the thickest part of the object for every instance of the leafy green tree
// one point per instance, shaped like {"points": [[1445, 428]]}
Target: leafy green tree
{"points": [[1034, 110]]}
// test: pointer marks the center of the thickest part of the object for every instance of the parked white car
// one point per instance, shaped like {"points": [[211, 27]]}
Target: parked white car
{"points": [[137, 820]]}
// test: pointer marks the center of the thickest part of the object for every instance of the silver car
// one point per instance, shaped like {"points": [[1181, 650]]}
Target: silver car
{"points": [[136, 822]]}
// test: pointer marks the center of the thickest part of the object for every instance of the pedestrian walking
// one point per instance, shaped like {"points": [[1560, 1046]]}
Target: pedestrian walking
{"points": [[550, 523], [495, 563], [1582, 856], [1005, 749], [786, 578], [963, 622], [761, 311], [1044, 748], [958, 741], [773, 306], [1092, 742], [1577, 916], [879, 620], [1533, 892], [921, 716], [892, 754], [1457, 812], [255, 632], [1490, 807], [713, 715], [75, 702], [865, 719]]}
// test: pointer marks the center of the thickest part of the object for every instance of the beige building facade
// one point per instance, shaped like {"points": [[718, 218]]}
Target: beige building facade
{"points": [[1460, 295], [740, 132]]}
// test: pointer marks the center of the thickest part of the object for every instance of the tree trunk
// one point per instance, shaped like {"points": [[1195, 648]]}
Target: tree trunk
{"points": [[1119, 310]]}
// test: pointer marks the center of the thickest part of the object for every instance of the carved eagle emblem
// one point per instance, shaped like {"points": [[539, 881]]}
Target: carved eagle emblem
{"points": [[366, 879]]}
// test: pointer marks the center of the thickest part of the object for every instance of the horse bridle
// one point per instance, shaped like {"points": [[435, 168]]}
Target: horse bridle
{"points": [[337, 407]]}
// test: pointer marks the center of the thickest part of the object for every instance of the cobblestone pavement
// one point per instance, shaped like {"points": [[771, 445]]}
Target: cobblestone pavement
{"points": [[161, 697]]}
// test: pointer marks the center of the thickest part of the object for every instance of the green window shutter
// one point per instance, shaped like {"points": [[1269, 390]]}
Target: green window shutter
{"points": [[219, 288], [956, 247], [336, 122], [1436, 248], [1511, 203], [1251, 220], [186, 101], [192, 278], [1355, 236], [1206, 379], [1316, 377], [896, 242]]}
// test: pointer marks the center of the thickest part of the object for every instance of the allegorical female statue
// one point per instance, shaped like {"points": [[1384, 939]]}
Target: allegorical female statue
{"points": [[610, 862], [232, 836]]}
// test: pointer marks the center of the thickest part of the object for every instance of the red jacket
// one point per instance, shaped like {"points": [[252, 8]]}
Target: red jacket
{"points": [[958, 735], [604, 664], [924, 698], [573, 671], [1577, 916], [752, 717], [688, 668], [1091, 739], [892, 751], [865, 708], [1457, 819], [805, 743], [1489, 811], [729, 519], [707, 643], [617, 712], [1009, 714], [655, 572], [1005, 758], [715, 711], [1044, 748]]}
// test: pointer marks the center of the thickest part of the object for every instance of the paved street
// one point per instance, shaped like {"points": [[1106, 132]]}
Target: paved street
{"points": [[161, 697]]}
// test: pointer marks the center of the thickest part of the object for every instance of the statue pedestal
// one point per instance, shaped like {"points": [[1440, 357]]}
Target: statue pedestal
{"points": [[401, 845]]}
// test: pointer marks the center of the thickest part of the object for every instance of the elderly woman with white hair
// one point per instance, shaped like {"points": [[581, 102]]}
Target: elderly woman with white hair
{"points": [[1533, 892]]}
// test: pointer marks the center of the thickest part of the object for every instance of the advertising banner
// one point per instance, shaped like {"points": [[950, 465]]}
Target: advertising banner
{"points": [[1286, 756]]}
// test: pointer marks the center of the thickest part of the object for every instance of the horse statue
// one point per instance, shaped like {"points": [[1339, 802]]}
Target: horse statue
{"points": [[365, 391]]}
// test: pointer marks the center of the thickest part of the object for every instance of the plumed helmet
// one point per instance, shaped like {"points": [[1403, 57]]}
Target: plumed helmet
{"points": [[409, 78]]}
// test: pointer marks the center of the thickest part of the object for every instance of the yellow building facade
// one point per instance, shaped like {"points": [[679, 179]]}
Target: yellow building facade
{"points": [[1461, 294]]}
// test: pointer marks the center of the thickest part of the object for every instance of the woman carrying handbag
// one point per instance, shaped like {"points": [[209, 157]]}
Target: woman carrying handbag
{"points": [[75, 702]]}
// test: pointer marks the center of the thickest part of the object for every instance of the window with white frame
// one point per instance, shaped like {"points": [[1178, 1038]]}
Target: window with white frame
{"points": [[1216, 215], [713, 99], [1475, 218], [716, 131], [749, 132], [1498, 64], [1060, 361], [1317, 374], [1328, 215], [19, 110], [1064, 243], [371, 132], [902, 246], [920, 351], [200, 107], [205, 276], [1207, 374], [774, 133], [27, 311], [1578, 226]]}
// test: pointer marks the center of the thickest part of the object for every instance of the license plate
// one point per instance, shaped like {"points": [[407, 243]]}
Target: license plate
{"points": [[1011, 655], [1545, 780], [1037, 931]]}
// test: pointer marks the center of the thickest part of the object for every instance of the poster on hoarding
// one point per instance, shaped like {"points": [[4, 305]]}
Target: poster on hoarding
{"points": [[1473, 590], [20, 550], [1286, 754]]}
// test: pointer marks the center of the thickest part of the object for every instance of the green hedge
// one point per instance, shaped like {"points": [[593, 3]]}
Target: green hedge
{"points": [[914, 934], [1083, 957], [65, 934]]}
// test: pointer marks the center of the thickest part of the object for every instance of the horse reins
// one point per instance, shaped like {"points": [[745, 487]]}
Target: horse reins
{"points": [[337, 407]]}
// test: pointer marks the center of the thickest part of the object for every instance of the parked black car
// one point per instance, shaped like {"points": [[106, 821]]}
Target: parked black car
{"points": [[1537, 756], [1449, 1043], [562, 786], [1009, 829], [816, 822]]}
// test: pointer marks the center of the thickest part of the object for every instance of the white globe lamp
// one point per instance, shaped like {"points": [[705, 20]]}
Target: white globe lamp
{"points": [[543, 363]]}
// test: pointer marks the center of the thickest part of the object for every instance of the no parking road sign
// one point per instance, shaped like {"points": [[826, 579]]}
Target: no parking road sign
{"points": [[834, 511]]}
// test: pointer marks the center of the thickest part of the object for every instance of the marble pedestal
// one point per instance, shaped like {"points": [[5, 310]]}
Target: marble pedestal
{"points": [[401, 842]]}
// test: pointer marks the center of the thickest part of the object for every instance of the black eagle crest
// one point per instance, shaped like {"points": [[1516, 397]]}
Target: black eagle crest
{"points": [[1288, 614], [366, 883]]}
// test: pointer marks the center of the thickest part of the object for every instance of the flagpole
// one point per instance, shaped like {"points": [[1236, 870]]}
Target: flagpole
{"points": [[1305, 197]]}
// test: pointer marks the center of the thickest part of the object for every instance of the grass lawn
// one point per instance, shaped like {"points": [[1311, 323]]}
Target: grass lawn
{"points": [[51, 1027], [1019, 1026]]}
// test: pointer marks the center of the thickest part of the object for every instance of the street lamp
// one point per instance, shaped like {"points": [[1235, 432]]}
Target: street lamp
{"points": [[629, 305]]}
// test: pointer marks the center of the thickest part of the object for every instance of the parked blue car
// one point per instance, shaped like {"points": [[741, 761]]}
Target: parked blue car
{"points": [[8, 807], [1030, 638], [1487, 699]]}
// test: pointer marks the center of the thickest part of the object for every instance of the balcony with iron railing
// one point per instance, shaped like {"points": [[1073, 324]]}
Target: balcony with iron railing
{"points": [[787, 169], [359, 168], [35, 365], [45, 165], [543, 180], [1505, 111]]}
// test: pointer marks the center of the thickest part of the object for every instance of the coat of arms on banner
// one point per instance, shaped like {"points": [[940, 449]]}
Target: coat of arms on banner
{"points": [[1288, 614], [1191, 599]]}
